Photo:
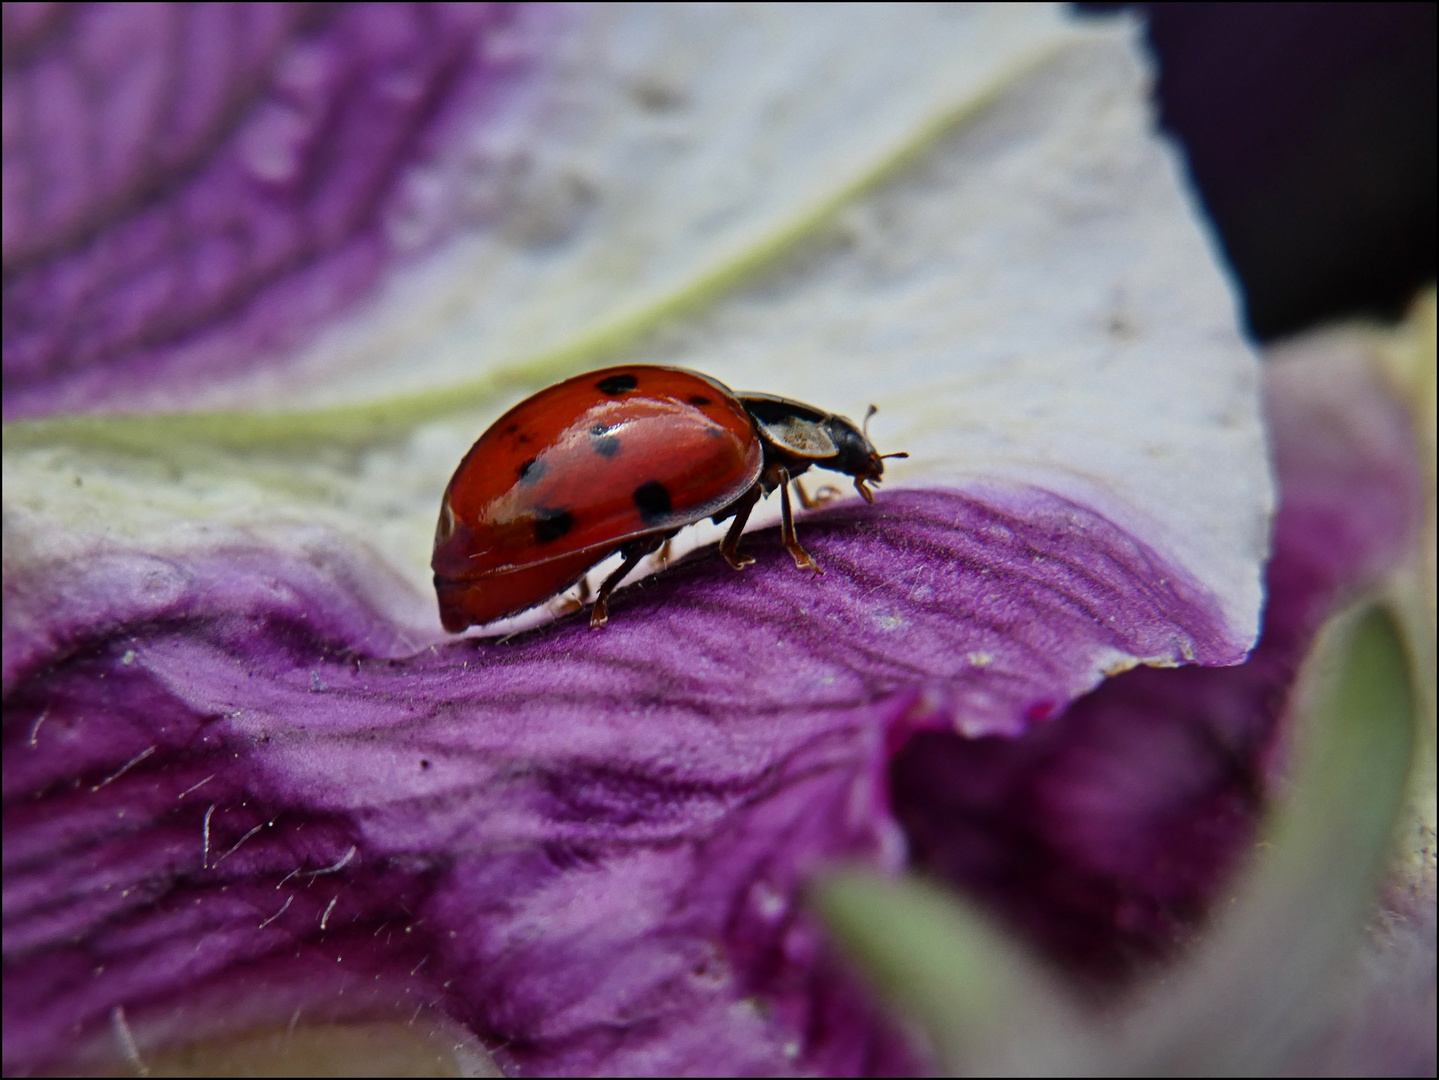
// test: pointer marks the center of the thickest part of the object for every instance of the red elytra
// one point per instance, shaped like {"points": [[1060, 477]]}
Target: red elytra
{"points": [[620, 460]]}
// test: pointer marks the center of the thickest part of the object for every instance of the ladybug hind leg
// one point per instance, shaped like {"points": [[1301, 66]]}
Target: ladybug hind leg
{"points": [[579, 600], [802, 559], [635, 552]]}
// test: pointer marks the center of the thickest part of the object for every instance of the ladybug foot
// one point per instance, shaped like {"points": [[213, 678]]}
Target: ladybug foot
{"points": [[803, 561], [599, 616], [802, 558], [791, 541], [737, 561]]}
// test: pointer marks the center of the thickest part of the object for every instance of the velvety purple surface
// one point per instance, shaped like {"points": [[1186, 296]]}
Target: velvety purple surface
{"points": [[191, 188], [594, 841]]}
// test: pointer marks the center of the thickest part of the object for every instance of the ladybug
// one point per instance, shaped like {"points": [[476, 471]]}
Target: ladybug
{"points": [[620, 460]]}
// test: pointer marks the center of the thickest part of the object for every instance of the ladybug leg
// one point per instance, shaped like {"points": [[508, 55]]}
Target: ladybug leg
{"points": [[825, 493], [634, 553], [801, 557], [579, 600], [729, 547]]}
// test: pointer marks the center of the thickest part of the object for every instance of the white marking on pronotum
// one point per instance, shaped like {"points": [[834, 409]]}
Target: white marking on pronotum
{"points": [[205, 833], [344, 862], [326, 916], [194, 787], [127, 1041], [123, 769], [288, 901], [240, 841], [35, 727]]}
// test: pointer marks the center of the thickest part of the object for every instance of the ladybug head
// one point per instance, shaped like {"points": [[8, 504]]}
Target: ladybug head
{"points": [[855, 454], [799, 435]]}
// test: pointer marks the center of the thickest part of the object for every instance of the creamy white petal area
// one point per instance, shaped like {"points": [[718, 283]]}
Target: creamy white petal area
{"points": [[663, 152]]}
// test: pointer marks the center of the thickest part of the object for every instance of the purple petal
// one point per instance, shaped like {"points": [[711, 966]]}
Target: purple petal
{"points": [[594, 842], [192, 188], [1107, 836]]}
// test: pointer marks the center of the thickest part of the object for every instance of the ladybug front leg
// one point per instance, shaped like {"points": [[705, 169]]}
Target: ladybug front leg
{"points": [[729, 547], [825, 493], [801, 557], [635, 552]]}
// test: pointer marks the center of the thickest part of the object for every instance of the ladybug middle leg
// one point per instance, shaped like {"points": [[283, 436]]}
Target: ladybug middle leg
{"points": [[633, 553], [729, 547], [802, 559]]}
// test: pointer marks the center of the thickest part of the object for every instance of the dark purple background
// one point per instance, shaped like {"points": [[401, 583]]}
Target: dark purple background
{"points": [[1310, 132]]}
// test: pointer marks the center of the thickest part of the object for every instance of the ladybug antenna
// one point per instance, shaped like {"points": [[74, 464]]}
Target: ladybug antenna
{"points": [[902, 453], [872, 410]]}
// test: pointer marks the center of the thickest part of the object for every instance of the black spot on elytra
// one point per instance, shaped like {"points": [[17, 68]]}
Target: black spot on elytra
{"points": [[511, 428], [699, 399], [531, 471], [614, 385], [550, 524], [653, 501], [603, 443]]}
